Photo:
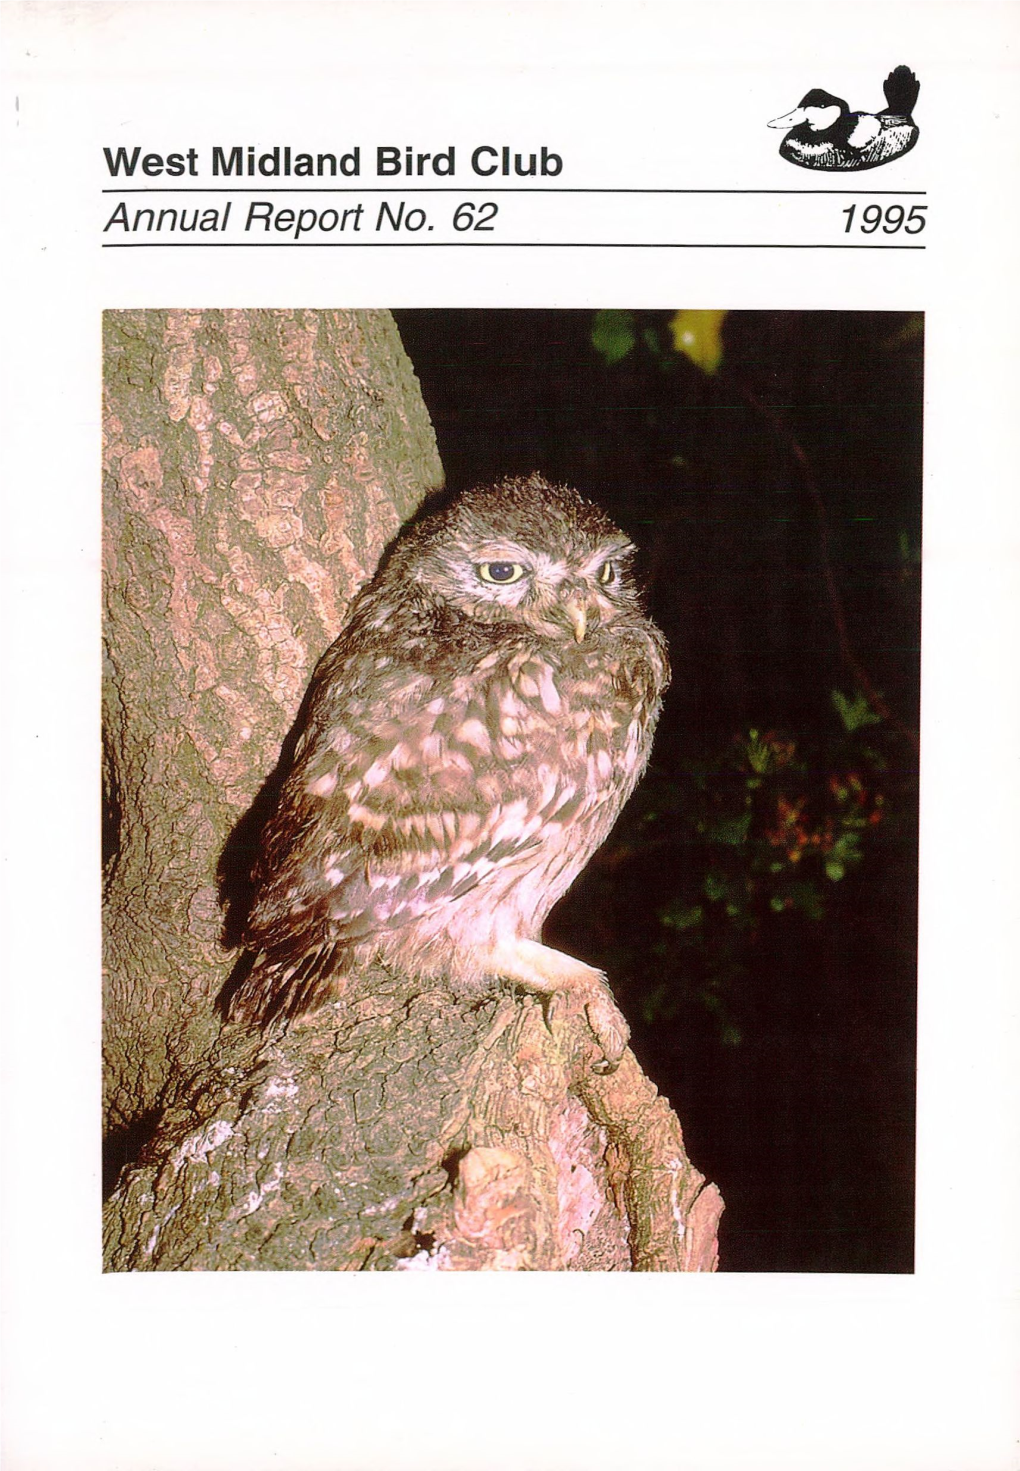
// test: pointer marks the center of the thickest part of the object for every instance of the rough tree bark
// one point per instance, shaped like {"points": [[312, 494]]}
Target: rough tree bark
{"points": [[256, 464]]}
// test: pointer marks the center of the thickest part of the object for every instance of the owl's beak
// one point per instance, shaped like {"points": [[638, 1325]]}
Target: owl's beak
{"points": [[578, 615]]}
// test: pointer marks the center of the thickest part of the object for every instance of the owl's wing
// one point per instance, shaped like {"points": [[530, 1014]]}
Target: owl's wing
{"points": [[405, 799]]}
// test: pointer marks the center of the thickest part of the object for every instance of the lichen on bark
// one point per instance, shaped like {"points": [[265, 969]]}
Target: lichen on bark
{"points": [[394, 1130], [255, 465]]}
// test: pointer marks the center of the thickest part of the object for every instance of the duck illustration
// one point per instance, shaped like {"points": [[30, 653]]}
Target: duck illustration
{"points": [[825, 134]]}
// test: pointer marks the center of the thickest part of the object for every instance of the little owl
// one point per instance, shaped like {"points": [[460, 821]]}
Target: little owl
{"points": [[469, 741]]}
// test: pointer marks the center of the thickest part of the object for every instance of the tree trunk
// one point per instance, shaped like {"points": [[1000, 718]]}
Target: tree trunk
{"points": [[256, 464]]}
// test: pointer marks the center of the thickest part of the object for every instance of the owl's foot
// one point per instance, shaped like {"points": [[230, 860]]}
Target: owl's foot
{"points": [[553, 974]]}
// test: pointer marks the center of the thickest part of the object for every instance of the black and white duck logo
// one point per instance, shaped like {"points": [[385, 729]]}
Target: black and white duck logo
{"points": [[825, 134]]}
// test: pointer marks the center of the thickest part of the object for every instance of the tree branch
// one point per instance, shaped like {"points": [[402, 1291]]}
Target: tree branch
{"points": [[399, 1130]]}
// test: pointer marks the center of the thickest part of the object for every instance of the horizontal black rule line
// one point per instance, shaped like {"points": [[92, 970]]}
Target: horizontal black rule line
{"points": [[477, 245], [396, 188]]}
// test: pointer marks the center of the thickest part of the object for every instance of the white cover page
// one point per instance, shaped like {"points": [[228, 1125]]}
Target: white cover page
{"points": [[745, 275]]}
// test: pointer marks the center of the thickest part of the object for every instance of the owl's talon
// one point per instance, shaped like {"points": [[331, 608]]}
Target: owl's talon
{"points": [[604, 1067]]}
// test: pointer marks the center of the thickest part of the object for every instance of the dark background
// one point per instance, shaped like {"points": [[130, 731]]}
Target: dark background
{"points": [[776, 500]]}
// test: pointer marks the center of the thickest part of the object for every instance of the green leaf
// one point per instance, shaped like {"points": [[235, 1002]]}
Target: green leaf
{"points": [[651, 1003], [612, 335], [910, 555], [854, 713], [715, 887], [847, 848], [758, 754], [808, 900], [682, 917], [698, 335], [732, 830], [650, 338]]}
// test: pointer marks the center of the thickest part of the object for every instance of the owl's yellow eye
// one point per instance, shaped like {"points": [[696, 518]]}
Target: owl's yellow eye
{"points": [[501, 573], [607, 573]]}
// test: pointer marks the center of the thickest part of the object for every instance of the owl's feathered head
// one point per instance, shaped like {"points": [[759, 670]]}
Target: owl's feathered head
{"points": [[525, 551]]}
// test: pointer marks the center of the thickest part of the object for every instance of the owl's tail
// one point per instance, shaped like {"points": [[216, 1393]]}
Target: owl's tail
{"points": [[270, 989]]}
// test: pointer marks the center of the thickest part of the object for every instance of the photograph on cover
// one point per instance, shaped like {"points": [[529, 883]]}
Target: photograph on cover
{"points": [[510, 789]]}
